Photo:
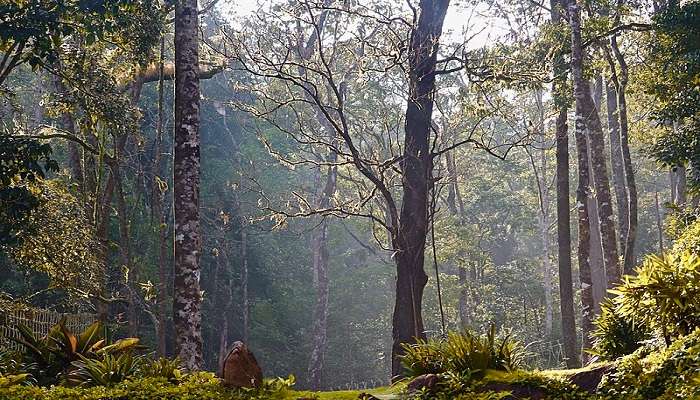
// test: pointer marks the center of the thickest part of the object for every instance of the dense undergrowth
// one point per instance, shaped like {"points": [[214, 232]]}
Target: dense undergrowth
{"points": [[648, 334]]}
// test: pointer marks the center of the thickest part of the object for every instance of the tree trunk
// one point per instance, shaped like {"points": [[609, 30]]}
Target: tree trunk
{"points": [[566, 286], [595, 257], [244, 286], [584, 237], [679, 195], [629, 259], [67, 122], [616, 163], [158, 197], [587, 112], [583, 182], [542, 184], [132, 277], [416, 167], [319, 246], [188, 243], [456, 207], [659, 223]]}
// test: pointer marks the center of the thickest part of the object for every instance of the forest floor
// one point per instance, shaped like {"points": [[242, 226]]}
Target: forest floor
{"points": [[383, 393]]}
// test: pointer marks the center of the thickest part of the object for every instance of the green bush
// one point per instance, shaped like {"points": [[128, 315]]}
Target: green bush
{"points": [[463, 354], [653, 372], [550, 388], [663, 295], [48, 359], [616, 336], [105, 371], [197, 386], [163, 368]]}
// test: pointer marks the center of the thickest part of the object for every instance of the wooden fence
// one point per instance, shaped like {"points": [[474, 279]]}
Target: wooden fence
{"points": [[39, 321]]}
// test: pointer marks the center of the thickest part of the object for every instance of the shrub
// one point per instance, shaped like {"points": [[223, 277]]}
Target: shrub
{"points": [[197, 386], [106, 371], [163, 368], [663, 295], [616, 336], [500, 386], [49, 358], [464, 354], [653, 372]]}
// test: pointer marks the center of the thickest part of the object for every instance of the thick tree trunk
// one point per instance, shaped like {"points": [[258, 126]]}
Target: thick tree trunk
{"points": [[631, 236], [416, 168], [188, 242], [584, 237], [582, 192], [566, 286], [586, 110]]}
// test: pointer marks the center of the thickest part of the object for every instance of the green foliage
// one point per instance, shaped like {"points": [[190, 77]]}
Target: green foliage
{"points": [[464, 354], [23, 161], [657, 373], [12, 380], [197, 386], [688, 237], [663, 295], [49, 358], [163, 368], [500, 385], [60, 242], [616, 336], [33, 31], [104, 371]]}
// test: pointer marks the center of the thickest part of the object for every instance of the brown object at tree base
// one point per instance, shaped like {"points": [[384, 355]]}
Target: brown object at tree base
{"points": [[240, 368]]}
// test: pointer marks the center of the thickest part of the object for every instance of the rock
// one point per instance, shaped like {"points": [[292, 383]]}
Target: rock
{"points": [[517, 391], [240, 368], [425, 381], [589, 379]]}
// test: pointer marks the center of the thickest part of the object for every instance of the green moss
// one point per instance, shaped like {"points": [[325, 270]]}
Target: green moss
{"points": [[199, 386]]}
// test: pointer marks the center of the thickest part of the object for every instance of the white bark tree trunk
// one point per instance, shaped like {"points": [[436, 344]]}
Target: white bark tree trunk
{"points": [[188, 242]]}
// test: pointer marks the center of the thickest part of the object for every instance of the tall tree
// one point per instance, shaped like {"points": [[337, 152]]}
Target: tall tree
{"points": [[566, 289], [587, 113], [632, 207], [581, 89], [416, 168], [187, 296]]}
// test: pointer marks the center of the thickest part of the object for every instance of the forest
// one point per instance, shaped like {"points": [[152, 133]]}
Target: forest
{"points": [[356, 199]]}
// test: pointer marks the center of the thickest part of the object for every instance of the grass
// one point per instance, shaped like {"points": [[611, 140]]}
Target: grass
{"points": [[384, 393]]}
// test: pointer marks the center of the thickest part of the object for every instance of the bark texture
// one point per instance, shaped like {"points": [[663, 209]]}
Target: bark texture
{"points": [[416, 167], [188, 242], [587, 112], [632, 217], [616, 164], [566, 286], [583, 98], [319, 247]]}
